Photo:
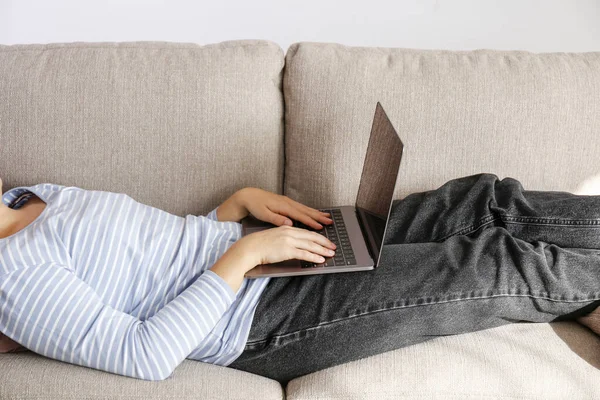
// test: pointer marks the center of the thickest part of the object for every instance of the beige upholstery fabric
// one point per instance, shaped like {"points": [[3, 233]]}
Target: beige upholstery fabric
{"points": [[518, 361], [178, 126], [533, 117], [30, 376], [151, 119]]}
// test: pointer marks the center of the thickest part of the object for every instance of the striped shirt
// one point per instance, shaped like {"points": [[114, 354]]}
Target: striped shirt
{"points": [[103, 281]]}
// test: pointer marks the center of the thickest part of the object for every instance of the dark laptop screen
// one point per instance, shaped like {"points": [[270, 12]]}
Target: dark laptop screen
{"points": [[376, 225], [379, 175]]}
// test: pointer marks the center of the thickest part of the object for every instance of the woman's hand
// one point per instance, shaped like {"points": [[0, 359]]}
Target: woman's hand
{"points": [[284, 243], [278, 209], [270, 246]]}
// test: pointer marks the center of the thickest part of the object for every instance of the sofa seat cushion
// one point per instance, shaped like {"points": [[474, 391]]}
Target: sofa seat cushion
{"points": [[517, 361], [30, 376]]}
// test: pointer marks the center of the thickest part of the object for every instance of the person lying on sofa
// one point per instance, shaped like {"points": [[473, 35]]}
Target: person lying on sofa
{"points": [[97, 279]]}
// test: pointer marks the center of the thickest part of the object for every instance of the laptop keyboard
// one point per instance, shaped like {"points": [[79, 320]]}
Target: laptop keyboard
{"points": [[335, 232]]}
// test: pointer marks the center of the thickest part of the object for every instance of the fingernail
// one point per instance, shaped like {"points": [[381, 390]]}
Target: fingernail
{"points": [[288, 222], [321, 259]]}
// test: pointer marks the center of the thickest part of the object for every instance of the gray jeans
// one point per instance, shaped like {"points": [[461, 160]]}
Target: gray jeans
{"points": [[474, 254]]}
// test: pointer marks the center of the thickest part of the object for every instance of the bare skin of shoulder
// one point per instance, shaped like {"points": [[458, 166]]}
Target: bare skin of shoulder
{"points": [[27, 213]]}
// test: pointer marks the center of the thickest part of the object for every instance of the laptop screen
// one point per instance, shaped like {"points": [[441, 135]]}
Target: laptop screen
{"points": [[379, 177]]}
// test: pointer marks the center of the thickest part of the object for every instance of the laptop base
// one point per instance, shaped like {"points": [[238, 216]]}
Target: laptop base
{"points": [[364, 260]]}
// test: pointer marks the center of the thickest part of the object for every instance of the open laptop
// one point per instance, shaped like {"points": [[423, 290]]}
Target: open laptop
{"points": [[358, 230]]}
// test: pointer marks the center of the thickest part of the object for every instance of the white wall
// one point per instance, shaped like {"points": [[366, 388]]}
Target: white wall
{"points": [[535, 25]]}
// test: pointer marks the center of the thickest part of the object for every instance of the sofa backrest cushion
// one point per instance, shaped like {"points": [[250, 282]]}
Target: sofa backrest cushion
{"points": [[178, 126], [532, 117]]}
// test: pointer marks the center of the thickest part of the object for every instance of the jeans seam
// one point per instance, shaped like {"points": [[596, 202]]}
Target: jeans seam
{"points": [[592, 223], [517, 219], [595, 297]]}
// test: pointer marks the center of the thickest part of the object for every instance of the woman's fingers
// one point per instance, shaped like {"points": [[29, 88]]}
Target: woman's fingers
{"points": [[313, 248], [317, 215], [306, 215], [312, 237], [308, 256], [277, 219], [298, 215]]}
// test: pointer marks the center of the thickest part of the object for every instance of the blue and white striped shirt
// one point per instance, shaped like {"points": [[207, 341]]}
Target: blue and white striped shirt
{"points": [[103, 281]]}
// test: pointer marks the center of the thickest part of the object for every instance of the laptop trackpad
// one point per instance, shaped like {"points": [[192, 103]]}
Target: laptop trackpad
{"points": [[250, 224], [252, 230]]}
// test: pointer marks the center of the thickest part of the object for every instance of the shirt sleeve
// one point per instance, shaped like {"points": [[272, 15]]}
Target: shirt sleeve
{"points": [[232, 226], [52, 312], [213, 214]]}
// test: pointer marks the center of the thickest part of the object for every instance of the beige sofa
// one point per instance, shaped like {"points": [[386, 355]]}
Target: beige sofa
{"points": [[152, 119]]}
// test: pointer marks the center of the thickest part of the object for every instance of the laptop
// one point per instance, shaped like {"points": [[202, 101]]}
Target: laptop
{"points": [[357, 230]]}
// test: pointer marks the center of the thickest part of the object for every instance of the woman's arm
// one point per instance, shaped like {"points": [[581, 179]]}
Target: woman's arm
{"points": [[52, 312], [232, 209], [269, 207], [233, 264]]}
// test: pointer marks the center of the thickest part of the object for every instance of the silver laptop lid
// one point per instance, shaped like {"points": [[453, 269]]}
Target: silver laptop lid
{"points": [[378, 180]]}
